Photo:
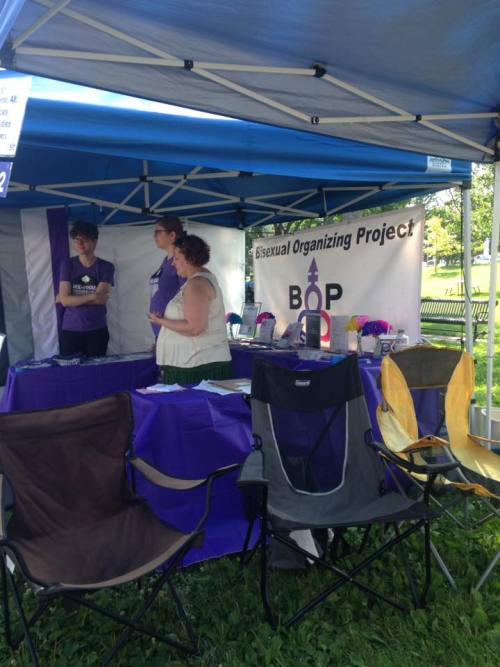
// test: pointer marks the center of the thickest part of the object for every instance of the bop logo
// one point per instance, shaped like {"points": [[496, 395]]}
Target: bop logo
{"points": [[313, 298]]}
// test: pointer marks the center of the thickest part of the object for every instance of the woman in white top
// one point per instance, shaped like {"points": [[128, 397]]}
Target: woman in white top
{"points": [[192, 343]]}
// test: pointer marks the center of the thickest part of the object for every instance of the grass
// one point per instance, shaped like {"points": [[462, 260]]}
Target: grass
{"points": [[457, 628], [223, 601]]}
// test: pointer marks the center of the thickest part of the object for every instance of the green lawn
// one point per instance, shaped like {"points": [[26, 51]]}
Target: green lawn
{"points": [[434, 285]]}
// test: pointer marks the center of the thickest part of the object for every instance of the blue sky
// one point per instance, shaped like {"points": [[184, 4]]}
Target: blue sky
{"points": [[58, 90]]}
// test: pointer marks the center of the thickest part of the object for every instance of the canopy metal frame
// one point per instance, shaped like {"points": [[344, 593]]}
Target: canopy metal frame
{"points": [[195, 212]]}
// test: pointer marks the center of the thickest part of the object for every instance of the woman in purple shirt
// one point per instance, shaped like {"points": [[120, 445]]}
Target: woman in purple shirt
{"points": [[85, 283], [165, 283]]}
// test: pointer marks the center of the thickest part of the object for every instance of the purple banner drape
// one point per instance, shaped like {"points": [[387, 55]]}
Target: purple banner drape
{"points": [[57, 219]]}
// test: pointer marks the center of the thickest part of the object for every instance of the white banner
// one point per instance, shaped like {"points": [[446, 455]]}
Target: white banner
{"points": [[370, 266]]}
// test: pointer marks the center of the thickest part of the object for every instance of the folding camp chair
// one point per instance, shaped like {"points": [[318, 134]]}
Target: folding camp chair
{"points": [[76, 525], [315, 472], [451, 372]]}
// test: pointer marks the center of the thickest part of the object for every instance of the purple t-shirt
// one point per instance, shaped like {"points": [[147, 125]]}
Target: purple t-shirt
{"points": [[164, 283], [84, 281]]}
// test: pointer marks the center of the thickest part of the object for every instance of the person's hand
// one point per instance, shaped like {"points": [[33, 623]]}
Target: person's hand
{"points": [[101, 298], [155, 318]]}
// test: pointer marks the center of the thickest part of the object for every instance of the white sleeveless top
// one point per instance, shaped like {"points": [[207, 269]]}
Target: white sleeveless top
{"points": [[174, 349]]}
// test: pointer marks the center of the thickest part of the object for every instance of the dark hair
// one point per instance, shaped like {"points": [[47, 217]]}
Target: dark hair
{"points": [[171, 223], [194, 249], [86, 229]]}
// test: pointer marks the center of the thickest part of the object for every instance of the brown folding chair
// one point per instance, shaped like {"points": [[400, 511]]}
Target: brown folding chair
{"points": [[76, 525]]}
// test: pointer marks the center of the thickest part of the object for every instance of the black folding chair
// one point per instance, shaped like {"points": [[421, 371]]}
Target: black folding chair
{"points": [[315, 472]]}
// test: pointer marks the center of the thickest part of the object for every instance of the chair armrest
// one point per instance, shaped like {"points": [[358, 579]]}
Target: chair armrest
{"points": [[480, 440], [176, 483], [427, 469]]}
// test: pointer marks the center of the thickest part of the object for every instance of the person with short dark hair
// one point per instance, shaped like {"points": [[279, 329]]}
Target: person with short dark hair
{"points": [[165, 282], [85, 283], [192, 343]]}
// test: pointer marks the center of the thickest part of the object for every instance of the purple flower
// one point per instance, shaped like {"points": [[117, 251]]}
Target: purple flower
{"points": [[376, 328]]}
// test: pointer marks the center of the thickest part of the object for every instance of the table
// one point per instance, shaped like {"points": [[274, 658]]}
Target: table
{"points": [[37, 386], [189, 434]]}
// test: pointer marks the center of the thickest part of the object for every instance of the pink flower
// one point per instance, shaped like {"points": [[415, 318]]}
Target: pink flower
{"points": [[264, 316]]}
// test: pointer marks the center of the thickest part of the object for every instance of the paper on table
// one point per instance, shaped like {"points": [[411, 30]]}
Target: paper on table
{"points": [[240, 386], [160, 388]]}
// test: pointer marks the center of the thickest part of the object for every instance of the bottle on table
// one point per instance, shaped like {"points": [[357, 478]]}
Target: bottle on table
{"points": [[401, 342]]}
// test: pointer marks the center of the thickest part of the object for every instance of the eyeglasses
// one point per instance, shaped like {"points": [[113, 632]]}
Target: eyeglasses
{"points": [[82, 239], [158, 231]]}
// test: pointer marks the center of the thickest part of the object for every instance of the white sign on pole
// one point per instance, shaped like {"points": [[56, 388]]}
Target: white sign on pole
{"points": [[371, 266], [14, 92]]}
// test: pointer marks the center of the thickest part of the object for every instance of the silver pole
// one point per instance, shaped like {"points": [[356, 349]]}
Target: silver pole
{"points": [[466, 213], [490, 355]]}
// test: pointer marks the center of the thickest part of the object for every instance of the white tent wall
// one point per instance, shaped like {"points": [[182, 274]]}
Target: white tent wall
{"points": [[132, 250], [14, 281], [28, 293]]}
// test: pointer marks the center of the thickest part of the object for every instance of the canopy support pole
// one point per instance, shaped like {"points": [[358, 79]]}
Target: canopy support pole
{"points": [[466, 219], [490, 355]]}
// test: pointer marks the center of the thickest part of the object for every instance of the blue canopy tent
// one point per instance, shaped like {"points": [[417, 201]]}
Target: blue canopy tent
{"points": [[134, 165], [421, 76]]}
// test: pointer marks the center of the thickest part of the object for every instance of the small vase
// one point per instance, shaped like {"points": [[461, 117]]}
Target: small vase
{"points": [[359, 346], [377, 352]]}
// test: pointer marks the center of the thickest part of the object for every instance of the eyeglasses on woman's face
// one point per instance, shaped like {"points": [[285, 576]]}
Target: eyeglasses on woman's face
{"points": [[158, 231]]}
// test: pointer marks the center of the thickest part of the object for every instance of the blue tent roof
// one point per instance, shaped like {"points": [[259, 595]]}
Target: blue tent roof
{"points": [[225, 172], [421, 76]]}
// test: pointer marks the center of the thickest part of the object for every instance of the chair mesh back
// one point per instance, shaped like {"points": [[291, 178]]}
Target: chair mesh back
{"points": [[66, 465], [312, 446], [424, 367], [312, 426]]}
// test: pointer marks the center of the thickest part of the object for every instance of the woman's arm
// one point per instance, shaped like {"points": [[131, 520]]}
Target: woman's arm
{"points": [[197, 296], [65, 297]]}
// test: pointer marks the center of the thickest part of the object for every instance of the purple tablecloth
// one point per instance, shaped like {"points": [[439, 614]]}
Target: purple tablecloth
{"points": [[57, 386], [189, 434]]}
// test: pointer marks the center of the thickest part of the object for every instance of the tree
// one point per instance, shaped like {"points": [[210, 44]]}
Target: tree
{"points": [[438, 242]]}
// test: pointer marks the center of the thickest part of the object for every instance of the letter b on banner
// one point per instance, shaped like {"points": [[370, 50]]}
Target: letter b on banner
{"points": [[294, 297]]}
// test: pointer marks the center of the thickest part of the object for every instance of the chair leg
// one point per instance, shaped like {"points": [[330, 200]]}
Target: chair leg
{"points": [[406, 564], [5, 605], [487, 572], [442, 565], [182, 615], [264, 580], [243, 556], [26, 634], [428, 564], [133, 624]]}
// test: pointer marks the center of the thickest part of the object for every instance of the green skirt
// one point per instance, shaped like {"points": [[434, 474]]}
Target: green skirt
{"points": [[219, 370]]}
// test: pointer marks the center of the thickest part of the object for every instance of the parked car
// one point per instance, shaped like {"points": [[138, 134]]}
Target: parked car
{"points": [[482, 259]]}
